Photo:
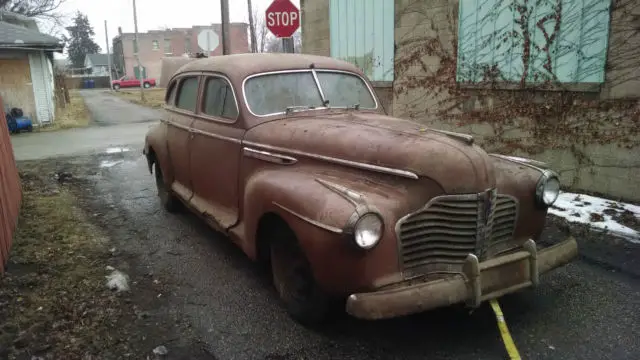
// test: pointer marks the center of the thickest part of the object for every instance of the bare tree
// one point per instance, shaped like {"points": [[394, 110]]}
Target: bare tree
{"points": [[42, 9], [261, 31]]}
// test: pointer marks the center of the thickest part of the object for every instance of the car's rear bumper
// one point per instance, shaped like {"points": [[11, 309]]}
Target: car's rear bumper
{"points": [[480, 281]]}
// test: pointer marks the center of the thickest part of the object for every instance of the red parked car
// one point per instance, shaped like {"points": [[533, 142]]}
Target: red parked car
{"points": [[127, 81]]}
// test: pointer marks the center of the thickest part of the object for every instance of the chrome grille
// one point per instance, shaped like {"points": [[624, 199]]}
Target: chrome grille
{"points": [[438, 237]]}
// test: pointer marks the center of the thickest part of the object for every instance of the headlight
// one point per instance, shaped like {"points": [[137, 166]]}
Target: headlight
{"points": [[368, 230], [548, 188]]}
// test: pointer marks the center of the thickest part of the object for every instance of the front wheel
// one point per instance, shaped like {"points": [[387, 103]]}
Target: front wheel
{"points": [[168, 200], [116, 87], [305, 302]]}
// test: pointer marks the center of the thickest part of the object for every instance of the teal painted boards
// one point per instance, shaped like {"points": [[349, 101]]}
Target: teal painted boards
{"points": [[533, 41], [362, 33]]}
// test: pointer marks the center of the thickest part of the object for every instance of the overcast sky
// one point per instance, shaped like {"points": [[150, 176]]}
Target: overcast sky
{"points": [[154, 14]]}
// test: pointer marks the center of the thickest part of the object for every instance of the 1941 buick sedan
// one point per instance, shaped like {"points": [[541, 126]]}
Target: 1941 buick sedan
{"points": [[294, 158]]}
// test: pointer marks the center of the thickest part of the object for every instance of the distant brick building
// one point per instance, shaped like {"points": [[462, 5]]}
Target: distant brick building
{"points": [[157, 44]]}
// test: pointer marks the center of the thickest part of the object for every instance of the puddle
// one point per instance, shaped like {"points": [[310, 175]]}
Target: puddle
{"points": [[110, 163], [115, 150]]}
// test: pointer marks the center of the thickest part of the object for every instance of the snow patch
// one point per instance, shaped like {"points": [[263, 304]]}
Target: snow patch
{"points": [[596, 212], [109, 163], [114, 150]]}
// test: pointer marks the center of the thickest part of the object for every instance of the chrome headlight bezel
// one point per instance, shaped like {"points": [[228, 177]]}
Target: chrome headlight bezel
{"points": [[547, 180], [355, 228]]}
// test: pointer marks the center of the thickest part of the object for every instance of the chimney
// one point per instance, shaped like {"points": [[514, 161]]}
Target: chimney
{"points": [[119, 30]]}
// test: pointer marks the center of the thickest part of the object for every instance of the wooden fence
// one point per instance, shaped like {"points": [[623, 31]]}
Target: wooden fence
{"points": [[10, 191]]}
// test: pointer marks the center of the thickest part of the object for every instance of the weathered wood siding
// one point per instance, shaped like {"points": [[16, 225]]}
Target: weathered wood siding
{"points": [[10, 191]]}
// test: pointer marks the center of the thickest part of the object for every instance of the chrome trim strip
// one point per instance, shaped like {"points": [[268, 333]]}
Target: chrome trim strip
{"points": [[244, 93], [330, 228], [359, 165], [215, 136], [534, 164], [468, 139], [172, 123], [270, 157], [353, 197]]}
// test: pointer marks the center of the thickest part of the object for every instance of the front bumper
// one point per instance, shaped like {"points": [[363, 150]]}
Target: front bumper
{"points": [[480, 281]]}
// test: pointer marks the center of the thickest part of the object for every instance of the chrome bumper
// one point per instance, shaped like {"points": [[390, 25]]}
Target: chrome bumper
{"points": [[480, 281]]}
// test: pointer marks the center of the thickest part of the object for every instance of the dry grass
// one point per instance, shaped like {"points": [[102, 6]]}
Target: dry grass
{"points": [[154, 98], [74, 115], [53, 299]]}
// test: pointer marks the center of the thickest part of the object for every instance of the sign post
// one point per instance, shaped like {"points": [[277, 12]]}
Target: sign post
{"points": [[283, 19]]}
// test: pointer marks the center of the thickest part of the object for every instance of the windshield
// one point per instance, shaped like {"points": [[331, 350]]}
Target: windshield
{"points": [[274, 93]]}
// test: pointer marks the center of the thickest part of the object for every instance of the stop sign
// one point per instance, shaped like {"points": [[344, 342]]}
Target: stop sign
{"points": [[283, 18]]}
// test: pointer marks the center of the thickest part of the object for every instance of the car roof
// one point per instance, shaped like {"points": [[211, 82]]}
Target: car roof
{"points": [[239, 66]]}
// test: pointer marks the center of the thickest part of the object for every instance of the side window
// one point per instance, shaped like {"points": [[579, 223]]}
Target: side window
{"points": [[188, 94], [213, 97], [218, 99]]}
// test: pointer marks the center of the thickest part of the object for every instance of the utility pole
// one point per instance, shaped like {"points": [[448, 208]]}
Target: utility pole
{"points": [[106, 35], [137, 49], [224, 10], [252, 29]]}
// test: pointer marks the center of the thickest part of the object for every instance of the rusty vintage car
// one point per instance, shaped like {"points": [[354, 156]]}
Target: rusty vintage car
{"points": [[294, 158]]}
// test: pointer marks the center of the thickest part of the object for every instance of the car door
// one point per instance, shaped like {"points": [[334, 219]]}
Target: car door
{"points": [[179, 117], [215, 152]]}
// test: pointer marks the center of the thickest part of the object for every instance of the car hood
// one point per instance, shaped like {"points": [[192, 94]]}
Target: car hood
{"points": [[376, 139]]}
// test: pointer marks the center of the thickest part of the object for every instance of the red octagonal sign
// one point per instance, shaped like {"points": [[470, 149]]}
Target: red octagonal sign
{"points": [[283, 18]]}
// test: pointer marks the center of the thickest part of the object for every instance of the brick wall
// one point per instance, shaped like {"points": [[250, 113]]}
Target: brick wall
{"points": [[10, 191], [181, 41]]}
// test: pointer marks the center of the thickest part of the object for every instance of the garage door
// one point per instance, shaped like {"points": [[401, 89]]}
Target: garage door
{"points": [[15, 85]]}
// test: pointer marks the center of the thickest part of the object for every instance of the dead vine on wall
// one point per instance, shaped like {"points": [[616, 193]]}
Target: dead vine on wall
{"points": [[549, 114]]}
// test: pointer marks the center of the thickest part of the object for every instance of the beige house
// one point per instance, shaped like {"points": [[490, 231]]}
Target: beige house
{"points": [[558, 81]]}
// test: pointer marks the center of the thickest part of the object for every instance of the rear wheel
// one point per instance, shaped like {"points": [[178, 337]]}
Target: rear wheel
{"points": [[168, 200], [147, 85], [116, 87], [30, 128], [293, 279]]}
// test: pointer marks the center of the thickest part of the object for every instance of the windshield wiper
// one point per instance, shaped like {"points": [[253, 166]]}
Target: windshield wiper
{"points": [[354, 107]]}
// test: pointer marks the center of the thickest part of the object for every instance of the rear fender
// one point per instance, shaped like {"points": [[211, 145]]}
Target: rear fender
{"points": [[155, 150]]}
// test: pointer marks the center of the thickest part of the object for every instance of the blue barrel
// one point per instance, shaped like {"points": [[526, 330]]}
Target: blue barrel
{"points": [[85, 84], [92, 84]]}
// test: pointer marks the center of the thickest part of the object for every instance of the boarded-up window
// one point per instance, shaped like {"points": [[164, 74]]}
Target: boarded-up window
{"points": [[533, 41], [167, 46], [362, 33]]}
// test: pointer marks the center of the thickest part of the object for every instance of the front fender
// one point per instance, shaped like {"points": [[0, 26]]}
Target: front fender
{"points": [[519, 180], [318, 214]]}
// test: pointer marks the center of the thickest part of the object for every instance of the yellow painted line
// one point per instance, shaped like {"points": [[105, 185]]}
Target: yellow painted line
{"points": [[509, 345]]}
